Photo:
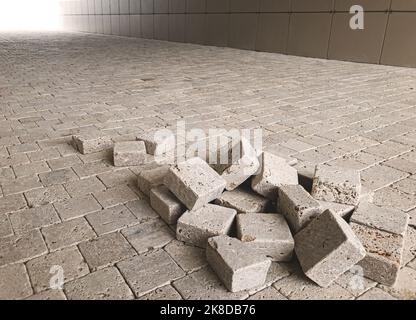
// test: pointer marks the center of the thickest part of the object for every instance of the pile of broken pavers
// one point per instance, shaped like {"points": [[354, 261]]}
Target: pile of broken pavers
{"points": [[252, 210]]}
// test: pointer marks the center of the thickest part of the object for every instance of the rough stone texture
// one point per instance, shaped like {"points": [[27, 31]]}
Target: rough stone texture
{"points": [[44, 196], [115, 196], [12, 203], [344, 210], [382, 218], [149, 235], [297, 205], [196, 226], [194, 183], [238, 266], [244, 201], [129, 153], [158, 142], [84, 187], [105, 284], [268, 234], [41, 272], [405, 287], [142, 210], [327, 247], [5, 226], [106, 250], [149, 271], [268, 294], [152, 178], [163, 293], [166, 204], [188, 257], [26, 220], [376, 294], [14, 282], [48, 295], [77, 207], [384, 253], [339, 185], [90, 142]]}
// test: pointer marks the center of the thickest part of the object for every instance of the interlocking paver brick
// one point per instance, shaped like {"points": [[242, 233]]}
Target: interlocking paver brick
{"points": [[380, 176], [93, 168], [269, 293], [151, 178], [163, 293], [189, 258], [14, 282], [115, 196], [376, 294], [344, 210], [41, 269], [77, 207], [52, 294], [166, 204], [119, 177], [142, 210], [84, 186], [158, 142], [64, 162], [90, 142], [44, 196], [31, 169], [5, 226], [244, 201], [20, 185], [28, 219], [392, 197], [129, 153], [60, 176]]}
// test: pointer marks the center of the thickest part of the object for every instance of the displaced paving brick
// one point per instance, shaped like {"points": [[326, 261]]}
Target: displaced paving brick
{"points": [[115, 196], [163, 293], [194, 183], [196, 226], [21, 248], [67, 233], [297, 205], [52, 294], [60, 176], [91, 142], [44, 196], [274, 171], [84, 186], [376, 294], [5, 226], [20, 185], [14, 282], [105, 284], [41, 269], [409, 250], [205, 285], [142, 210], [384, 253], [268, 234], [149, 271], [151, 178], [106, 250], [29, 219], [238, 266], [268, 294], [159, 142], [343, 210], [383, 218], [327, 247], [166, 204], [77, 207], [188, 257], [405, 287], [149, 235], [111, 219], [130, 153], [244, 201], [336, 185]]}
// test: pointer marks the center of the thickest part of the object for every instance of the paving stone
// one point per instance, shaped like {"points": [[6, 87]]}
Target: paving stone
{"points": [[152, 178], [336, 185], [188, 257], [380, 176], [5, 226], [83, 187], [412, 264], [64, 162], [13, 160], [60, 176], [20, 185], [92, 142], [92, 169], [119, 177], [196, 226], [129, 153], [44, 196], [194, 183], [31, 169], [268, 234], [405, 287], [354, 281], [407, 185], [327, 247], [24, 147], [238, 266], [277, 271], [382, 218], [384, 252], [111, 219], [376, 294], [44, 154], [41, 270], [29, 219], [166, 204], [274, 171], [297, 205], [268, 294], [163, 293], [106, 250], [158, 142], [48, 295], [14, 282], [149, 235], [412, 218], [67, 233], [392, 197], [343, 210], [409, 250], [115, 196], [142, 210], [77, 207], [402, 165], [388, 149], [105, 284], [244, 201], [21, 248], [149, 271], [6, 174], [205, 285]]}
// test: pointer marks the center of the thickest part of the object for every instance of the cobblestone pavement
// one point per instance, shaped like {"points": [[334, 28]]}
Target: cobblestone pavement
{"points": [[79, 213]]}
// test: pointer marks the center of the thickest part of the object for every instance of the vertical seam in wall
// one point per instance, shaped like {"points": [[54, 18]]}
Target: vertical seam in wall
{"points": [[288, 33], [385, 32], [330, 30]]}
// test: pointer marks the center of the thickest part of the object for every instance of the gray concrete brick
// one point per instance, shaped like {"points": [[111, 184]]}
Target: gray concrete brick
{"points": [[166, 204], [91, 142], [196, 226], [14, 282], [244, 201], [130, 153]]}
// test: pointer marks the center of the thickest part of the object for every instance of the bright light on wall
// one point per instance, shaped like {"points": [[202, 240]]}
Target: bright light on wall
{"points": [[30, 15]]}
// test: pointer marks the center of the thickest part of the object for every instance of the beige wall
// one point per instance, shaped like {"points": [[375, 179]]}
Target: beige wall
{"points": [[313, 28]]}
